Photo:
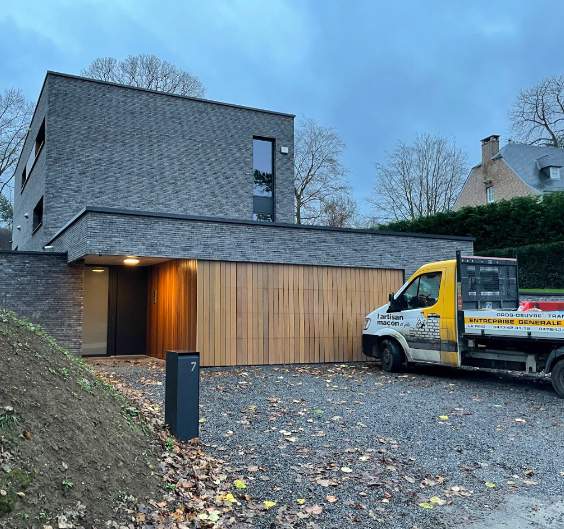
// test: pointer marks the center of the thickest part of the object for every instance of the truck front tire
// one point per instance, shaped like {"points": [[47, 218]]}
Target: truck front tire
{"points": [[391, 356], [557, 378]]}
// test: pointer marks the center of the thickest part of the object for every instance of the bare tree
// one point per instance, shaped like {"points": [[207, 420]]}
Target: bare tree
{"points": [[537, 115], [15, 116], [340, 211], [419, 179], [318, 173], [146, 71]]}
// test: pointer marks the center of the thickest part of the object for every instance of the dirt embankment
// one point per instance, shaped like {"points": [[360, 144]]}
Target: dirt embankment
{"points": [[72, 451]]}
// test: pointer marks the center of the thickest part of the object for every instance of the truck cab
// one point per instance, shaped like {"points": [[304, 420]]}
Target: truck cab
{"points": [[464, 312]]}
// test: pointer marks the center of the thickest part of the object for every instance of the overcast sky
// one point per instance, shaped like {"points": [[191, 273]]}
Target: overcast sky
{"points": [[377, 72]]}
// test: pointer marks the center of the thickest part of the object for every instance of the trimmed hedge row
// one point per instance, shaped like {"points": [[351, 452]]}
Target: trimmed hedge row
{"points": [[540, 265], [521, 221]]}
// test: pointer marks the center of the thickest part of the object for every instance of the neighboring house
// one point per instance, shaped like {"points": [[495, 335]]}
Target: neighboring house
{"points": [[516, 170], [146, 221]]}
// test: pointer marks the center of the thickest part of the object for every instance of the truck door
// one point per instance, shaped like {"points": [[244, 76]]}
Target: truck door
{"points": [[421, 306]]}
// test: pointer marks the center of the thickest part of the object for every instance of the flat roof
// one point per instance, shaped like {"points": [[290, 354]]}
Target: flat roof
{"points": [[168, 94], [265, 225]]}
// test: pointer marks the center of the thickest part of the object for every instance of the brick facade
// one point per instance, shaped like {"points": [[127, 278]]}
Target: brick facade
{"points": [[113, 146], [505, 182], [45, 290], [150, 235]]}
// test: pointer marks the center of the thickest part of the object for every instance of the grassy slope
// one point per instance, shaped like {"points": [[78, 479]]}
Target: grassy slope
{"points": [[69, 445]]}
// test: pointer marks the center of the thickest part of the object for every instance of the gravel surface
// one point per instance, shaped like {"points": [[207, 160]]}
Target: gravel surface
{"points": [[433, 447]]}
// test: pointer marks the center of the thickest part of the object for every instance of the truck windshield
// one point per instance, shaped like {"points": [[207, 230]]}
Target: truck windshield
{"points": [[423, 291]]}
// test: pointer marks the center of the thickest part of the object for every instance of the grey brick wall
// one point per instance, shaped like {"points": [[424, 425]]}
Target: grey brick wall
{"points": [[44, 289], [26, 200], [114, 233], [114, 146]]}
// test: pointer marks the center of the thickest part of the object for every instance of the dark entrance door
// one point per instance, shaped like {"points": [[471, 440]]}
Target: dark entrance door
{"points": [[128, 311]]}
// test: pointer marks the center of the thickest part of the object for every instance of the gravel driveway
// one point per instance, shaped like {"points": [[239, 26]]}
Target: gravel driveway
{"points": [[433, 447]]}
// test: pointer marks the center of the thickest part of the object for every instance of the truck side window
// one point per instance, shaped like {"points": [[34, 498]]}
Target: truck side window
{"points": [[423, 291]]}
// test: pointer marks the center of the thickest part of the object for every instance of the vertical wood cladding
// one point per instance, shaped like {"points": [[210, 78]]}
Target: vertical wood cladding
{"points": [[255, 313], [171, 307]]}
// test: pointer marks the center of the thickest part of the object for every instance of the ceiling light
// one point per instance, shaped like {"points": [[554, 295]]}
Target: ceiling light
{"points": [[131, 261], [48, 246], [98, 270]]}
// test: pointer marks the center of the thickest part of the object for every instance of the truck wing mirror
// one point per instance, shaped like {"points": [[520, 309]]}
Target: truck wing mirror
{"points": [[395, 304]]}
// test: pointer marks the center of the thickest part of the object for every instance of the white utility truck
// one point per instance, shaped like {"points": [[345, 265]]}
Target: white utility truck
{"points": [[464, 312]]}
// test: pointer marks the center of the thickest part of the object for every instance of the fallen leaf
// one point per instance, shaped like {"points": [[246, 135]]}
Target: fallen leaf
{"points": [[315, 509], [443, 417], [26, 434], [331, 499], [347, 470], [269, 504], [240, 485], [203, 419], [300, 501], [520, 420], [490, 485], [437, 500], [20, 494], [426, 505]]}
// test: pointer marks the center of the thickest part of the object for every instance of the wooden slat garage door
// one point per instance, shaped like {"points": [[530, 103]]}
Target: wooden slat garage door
{"points": [[252, 313]]}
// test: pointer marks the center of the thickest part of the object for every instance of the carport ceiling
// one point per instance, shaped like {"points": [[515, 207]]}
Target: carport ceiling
{"points": [[116, 260]]}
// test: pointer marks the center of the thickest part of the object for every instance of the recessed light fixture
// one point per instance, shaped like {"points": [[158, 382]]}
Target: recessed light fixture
{"points": [[98, 270], [48, 247], [131, 261]]}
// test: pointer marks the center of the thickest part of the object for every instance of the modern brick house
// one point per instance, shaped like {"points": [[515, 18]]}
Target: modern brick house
{"points": [[146, 221], [514, 171]]}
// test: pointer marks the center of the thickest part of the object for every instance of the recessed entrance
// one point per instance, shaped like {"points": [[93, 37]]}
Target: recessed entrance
{"points": [[115, 311]]}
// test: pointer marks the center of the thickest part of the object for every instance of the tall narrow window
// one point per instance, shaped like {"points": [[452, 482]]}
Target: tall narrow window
{"points": [[38, 214], [40, 139], [263, 187], [490, 194], [37, 146]]}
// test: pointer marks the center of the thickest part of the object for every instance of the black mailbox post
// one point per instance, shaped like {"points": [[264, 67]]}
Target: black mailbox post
{"points": [[182, 393]]}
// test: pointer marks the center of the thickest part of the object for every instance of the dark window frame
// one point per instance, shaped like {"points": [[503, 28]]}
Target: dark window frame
{"points": [[38, 145], [266, 205], [37, 216]]}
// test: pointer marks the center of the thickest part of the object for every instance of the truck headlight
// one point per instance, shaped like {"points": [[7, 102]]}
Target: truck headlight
{"points": [[366, 323]]}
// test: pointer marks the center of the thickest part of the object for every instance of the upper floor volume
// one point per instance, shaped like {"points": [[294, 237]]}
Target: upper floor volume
{"points": [[97, 144]]}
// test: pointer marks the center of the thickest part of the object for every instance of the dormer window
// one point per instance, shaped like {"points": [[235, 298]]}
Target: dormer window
{"points": [[554, 173]]}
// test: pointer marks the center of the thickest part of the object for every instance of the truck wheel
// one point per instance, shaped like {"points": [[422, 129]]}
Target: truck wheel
{"points": [[557, 378], [391, 356]]}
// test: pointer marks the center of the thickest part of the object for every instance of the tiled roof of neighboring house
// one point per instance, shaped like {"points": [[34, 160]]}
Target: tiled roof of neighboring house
{"points": [[5, 239], [526, 161]]}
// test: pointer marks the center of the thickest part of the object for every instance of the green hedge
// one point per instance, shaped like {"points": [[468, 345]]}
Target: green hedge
{"points": [[521, 221], [540, 265]]}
